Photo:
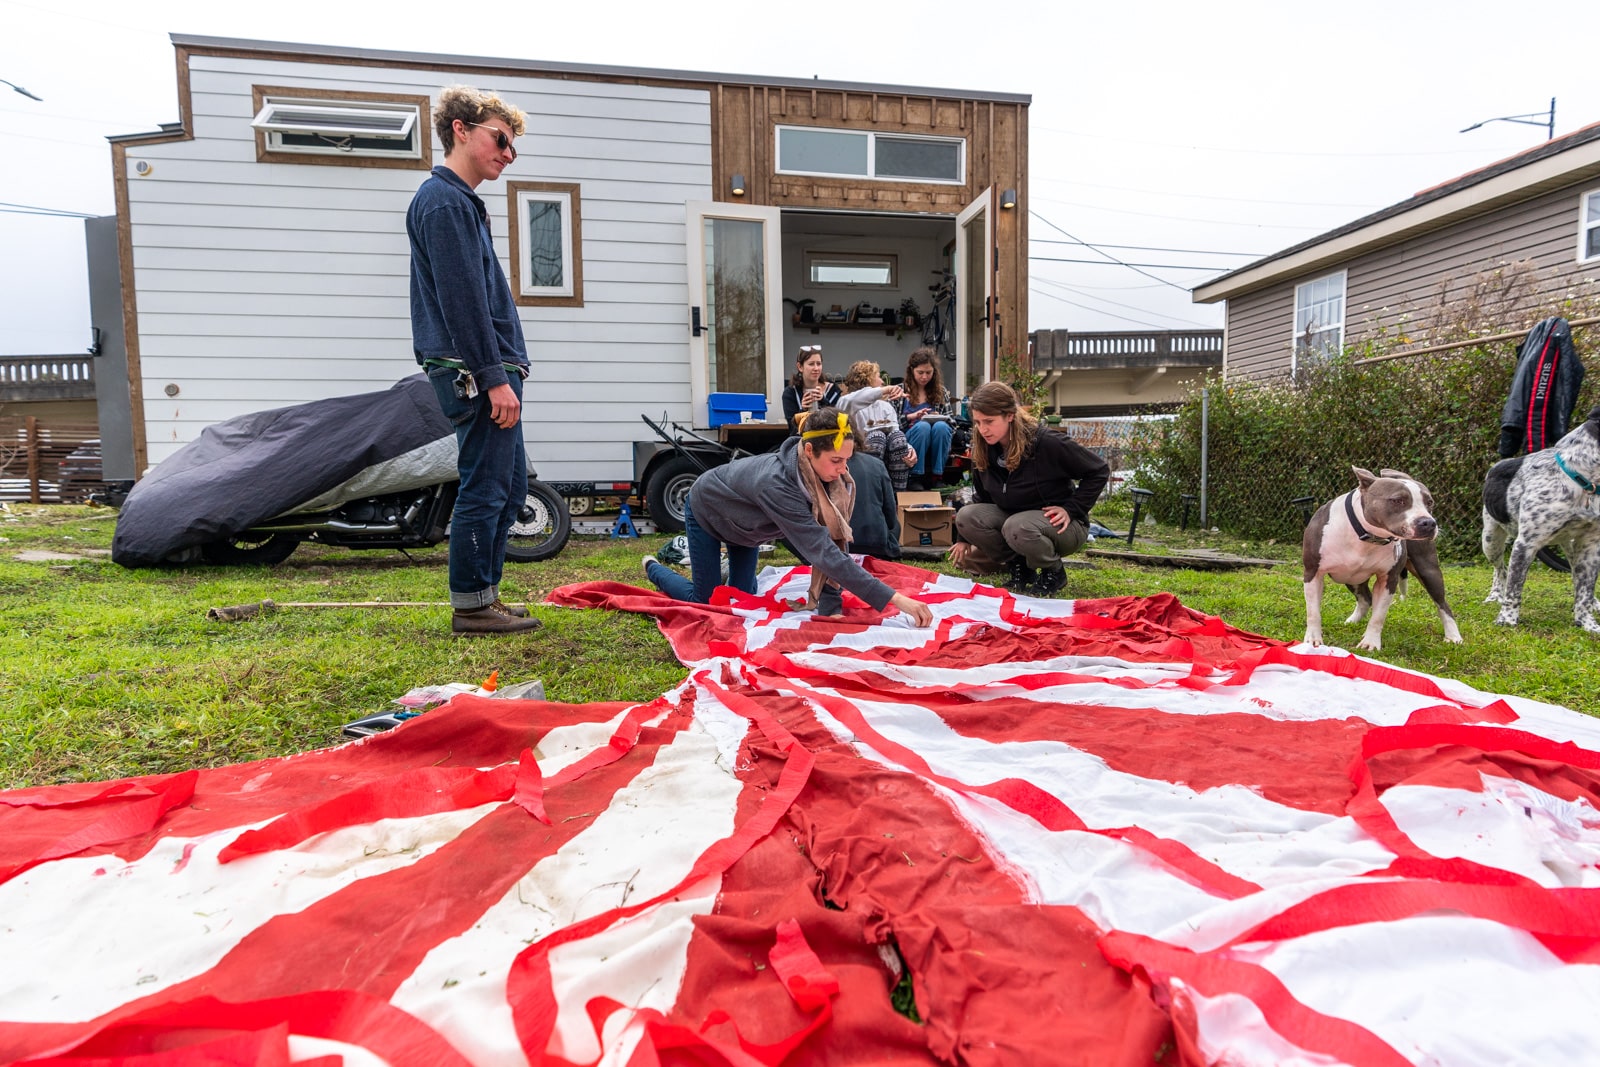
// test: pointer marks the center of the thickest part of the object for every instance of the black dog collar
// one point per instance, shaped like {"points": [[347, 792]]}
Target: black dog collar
{"points": [[1361, 531]]}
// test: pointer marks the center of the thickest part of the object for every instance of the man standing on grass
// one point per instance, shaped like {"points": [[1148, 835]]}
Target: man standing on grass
{"points": [[466, 333]]}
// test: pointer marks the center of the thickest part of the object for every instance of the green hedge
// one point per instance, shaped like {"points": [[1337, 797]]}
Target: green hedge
{"points": [[1434, 416]]}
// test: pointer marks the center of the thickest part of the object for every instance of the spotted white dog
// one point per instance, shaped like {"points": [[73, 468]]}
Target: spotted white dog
{"points": [[1381, 529], [1547, 497]]}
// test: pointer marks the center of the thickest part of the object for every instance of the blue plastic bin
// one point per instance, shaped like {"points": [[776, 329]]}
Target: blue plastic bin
{"points": [[736, 407]]}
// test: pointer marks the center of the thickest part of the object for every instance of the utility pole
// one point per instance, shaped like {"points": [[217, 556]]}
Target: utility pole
{"points": [[1537, 118]]}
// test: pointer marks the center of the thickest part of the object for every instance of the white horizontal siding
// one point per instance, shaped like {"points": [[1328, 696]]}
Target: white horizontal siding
{"points": [[264, 284]]}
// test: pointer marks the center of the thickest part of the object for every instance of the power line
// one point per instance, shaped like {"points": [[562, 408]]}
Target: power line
{"points": [[1116, 303], [1171, 218], [1248, 151], [1149, 248], [1200, 196], [35, 209], [1122, 263], [1108, 255], [1132, 307], [1097, 311]]}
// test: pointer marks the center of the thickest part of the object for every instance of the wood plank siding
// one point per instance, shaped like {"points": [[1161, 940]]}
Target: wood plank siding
{"points": [[1404, 287], [996, 135]]}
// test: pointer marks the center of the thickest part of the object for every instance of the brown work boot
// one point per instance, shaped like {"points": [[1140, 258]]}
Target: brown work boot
{"points": [[489, 620], [518, 610]]}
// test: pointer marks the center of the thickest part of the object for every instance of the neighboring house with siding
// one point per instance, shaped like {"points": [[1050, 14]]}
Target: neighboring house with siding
{"points": [[1518, 234], [652, 227]]}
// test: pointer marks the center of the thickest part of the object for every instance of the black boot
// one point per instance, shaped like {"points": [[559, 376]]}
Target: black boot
{"points": [[1019, 576], [1050, 581]]}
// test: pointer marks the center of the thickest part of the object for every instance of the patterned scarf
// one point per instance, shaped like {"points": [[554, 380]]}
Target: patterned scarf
{"points": [[832, 503]]}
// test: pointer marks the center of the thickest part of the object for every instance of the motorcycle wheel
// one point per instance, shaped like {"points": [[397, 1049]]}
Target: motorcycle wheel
{"points": [[669, 490], [542, 527], [250, 550]]}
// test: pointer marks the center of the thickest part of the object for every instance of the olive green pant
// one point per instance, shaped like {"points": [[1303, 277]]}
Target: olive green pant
{"points": [[996, 536]]}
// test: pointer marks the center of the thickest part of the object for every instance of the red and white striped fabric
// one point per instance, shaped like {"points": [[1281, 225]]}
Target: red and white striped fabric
{"points": [[1093, 832]]}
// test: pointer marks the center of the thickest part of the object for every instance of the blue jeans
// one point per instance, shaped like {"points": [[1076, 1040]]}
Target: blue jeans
{"points": [[932, 442], [705, 564], [493, 466]]}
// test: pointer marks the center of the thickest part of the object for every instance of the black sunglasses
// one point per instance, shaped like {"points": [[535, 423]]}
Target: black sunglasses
{"points": [[501, 141]]}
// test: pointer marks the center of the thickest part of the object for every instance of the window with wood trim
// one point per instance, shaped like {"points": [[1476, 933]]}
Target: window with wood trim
{"points": [[546, 244], [294, 124], [1319, 318], [1589, 226], [869, 154]]}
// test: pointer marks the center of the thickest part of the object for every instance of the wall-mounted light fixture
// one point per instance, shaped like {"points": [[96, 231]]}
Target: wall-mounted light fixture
{"points": [[1008, 200], [738, 185]]}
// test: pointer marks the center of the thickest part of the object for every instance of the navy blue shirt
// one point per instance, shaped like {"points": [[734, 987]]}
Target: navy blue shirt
{"points": [[461, 306]]}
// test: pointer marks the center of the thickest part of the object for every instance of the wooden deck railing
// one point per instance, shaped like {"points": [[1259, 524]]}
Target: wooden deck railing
{"points": [[46, 378], [1082, 350]]}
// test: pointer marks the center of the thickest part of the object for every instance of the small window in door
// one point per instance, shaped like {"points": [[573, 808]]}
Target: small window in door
{"points": [[546, 244], [826, 270]]}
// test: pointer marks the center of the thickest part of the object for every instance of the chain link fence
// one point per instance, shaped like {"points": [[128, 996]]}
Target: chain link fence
{"points": [[1271, 453]]}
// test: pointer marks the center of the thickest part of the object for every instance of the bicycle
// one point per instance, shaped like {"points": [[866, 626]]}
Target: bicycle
{"points": [[939, 328]]}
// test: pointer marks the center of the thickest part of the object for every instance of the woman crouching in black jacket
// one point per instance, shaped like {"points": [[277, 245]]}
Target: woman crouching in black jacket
{"points": [[1035, 488]]}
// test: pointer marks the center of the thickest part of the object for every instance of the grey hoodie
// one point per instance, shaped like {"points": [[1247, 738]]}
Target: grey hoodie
{"points": [[761, 498]]}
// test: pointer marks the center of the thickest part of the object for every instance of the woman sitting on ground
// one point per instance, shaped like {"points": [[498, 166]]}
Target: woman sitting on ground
{"points": [[802, 494], [870, 405], [808, 389], [925, 396], [1035, 488]]}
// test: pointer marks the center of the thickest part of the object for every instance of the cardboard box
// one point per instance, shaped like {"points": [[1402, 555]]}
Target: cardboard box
{"points": [[926, 521], [736, 407]]}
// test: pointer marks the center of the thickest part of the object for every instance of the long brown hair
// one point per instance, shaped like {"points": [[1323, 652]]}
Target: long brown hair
{"points": [[934, 394], [800, 358], [998, 398]]}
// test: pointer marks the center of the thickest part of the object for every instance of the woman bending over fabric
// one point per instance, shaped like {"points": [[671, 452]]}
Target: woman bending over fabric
{"points": [[808, 389], [870, 405], [801, 494], [1035, 488], [924, 401]]}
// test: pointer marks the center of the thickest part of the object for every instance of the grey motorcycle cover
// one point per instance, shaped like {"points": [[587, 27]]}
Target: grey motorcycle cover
{"points": [[268, 463]]}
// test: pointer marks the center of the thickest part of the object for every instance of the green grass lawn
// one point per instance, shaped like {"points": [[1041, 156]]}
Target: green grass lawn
{"points": [[109, 672]]}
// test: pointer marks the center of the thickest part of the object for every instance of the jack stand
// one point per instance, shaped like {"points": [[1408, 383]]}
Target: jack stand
{"points": [[624, 525]]}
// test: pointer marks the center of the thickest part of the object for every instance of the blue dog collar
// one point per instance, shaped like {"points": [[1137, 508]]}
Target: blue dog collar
{"points": [[1583, 483]]}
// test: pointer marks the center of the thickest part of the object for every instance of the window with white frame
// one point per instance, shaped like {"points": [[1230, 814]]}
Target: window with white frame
{"points": [[1319, 317], [1589, 226], [326, 126], [869, 154], [854, 269], [546, 243]]}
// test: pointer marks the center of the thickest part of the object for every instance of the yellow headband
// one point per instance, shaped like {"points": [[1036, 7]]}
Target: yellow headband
{"points": [[838, 435]]}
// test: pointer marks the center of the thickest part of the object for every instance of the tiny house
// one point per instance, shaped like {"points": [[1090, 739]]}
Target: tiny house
{"points": [[668, 235]]}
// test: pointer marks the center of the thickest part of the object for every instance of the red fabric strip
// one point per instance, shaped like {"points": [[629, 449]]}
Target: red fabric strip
{"points": [[427, 791], [529, 990], [339, 1015], [529, 791], [1214, 975], [120, 823]]}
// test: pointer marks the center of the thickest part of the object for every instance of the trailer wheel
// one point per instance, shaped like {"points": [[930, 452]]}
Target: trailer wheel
{"points": [[542, 527], [668, 491], [250, 550]]}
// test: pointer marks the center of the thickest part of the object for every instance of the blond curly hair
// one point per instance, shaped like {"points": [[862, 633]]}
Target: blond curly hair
{"points": [[860, 375], [472, 105]]}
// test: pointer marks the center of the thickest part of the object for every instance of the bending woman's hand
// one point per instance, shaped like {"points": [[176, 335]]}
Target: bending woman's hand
{"points": [[920, 613], [1058, 517]]}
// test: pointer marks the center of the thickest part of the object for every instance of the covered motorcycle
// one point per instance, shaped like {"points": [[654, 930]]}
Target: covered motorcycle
{"points": [[310, 470]]}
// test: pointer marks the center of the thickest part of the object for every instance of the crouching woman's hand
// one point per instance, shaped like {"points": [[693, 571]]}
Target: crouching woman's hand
{"points": [[920, 613]]}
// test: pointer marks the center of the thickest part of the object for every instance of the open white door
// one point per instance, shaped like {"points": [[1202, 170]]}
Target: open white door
{"points": [[735, 303], [974, 294]]}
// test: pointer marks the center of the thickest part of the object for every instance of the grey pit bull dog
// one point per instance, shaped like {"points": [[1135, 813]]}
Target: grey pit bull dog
{"points": [[1381, 529], [1546, 497]]}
